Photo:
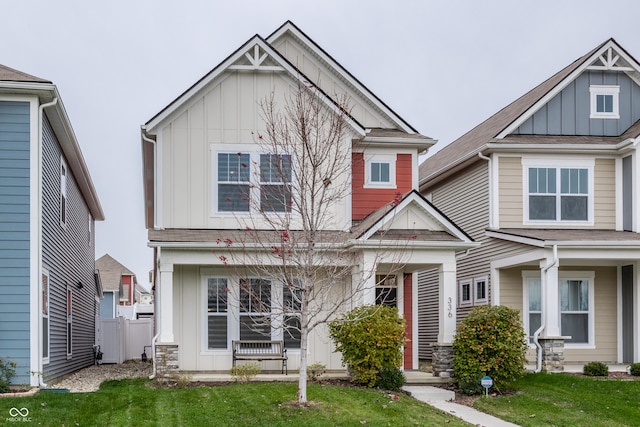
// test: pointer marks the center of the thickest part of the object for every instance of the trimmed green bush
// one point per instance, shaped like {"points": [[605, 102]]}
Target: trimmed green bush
{"points": [[7, 371], [370, 339], [595, 369], [489, 341], [390, 379], [245, 372], [634, 369]]}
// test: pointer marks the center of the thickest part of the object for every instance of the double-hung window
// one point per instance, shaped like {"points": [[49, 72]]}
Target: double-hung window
{"points": [[386, 290], [255, 309], [217, 313], [275, 182], [559, 194], [234, 176], [45, 315], [69, 322], [604, 102]]}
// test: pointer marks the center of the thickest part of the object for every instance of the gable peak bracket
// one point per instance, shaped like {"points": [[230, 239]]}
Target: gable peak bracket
{"points": [[256, 58], [608, 61]]}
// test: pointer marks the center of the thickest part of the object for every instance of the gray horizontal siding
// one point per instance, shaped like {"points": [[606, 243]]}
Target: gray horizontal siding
{"points": [[568, 112], [70, 258], [14, 236]]}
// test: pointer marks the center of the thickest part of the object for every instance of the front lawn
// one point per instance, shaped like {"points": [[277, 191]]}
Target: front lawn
{"points": [[140, 403], [568, 400]]}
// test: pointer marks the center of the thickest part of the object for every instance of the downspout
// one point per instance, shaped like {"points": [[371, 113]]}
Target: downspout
{"points": [[157, 305], [536, 334], [157, 279], [41, 108]]}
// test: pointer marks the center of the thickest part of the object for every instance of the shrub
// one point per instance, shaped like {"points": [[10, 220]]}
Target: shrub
{"points": [[595, 369], [390, 379], [316, 370], [370, 339], [7, 371], [634, 369], [246, 372], [489, 341]]}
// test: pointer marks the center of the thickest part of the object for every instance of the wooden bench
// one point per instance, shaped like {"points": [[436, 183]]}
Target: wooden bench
{"points": [[260, 350]]}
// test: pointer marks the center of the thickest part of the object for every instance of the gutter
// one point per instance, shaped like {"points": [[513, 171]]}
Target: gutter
{"points": [[536, 334]]}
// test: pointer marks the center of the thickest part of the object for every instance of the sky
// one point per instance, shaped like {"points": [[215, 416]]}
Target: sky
{"points": [[442, 65]]}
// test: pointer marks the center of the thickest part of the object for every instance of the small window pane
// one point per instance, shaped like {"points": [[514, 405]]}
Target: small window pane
{"points": [[233, 198], [275, 168], [573, 208], [575, 325], [542, 207], [535, 320], [481, 290], [217, 331], [292, 335], [574, 295], [535, 295], [217, 296], [379, 172], [604, 103], [466, 292], [234, 167], [387, 296], [275, 198], [255, 328]]}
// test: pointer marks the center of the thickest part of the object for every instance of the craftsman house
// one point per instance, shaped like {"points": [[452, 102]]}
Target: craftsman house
{"points": [[548, 185], [48, 206], [199, 155]]}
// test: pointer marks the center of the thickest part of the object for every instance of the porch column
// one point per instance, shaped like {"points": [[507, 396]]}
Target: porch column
{"points": [[367, 279], [550, 297], [165, 318], [636, 312], [447, 302], [407, 306]]}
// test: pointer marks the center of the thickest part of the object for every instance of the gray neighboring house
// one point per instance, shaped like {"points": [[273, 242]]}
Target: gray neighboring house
{"points": [[548, 186], [48, 206], [119, 286]]}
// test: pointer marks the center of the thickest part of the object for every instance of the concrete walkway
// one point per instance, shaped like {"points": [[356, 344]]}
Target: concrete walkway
{"points": [[444, 400]]}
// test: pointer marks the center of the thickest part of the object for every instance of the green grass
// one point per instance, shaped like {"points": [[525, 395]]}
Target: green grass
{"points": [[568, 400], [139, 403]]}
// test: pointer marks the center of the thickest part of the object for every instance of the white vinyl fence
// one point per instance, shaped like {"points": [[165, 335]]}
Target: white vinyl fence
{"points": [[123, 339]]}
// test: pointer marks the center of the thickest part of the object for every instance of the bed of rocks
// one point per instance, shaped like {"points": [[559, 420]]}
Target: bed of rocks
{"points": [[89, 379]]}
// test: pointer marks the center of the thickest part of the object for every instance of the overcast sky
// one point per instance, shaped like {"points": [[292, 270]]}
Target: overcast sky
{"points": [[444, 66]]}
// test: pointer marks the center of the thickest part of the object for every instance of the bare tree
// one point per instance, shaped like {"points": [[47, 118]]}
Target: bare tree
{"points": [[297, 237]]}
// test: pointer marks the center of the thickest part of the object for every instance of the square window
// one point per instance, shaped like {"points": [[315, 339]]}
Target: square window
{"points": [[464, 291], [380, 171], [558, 194], [480, 291], [604, 102]]}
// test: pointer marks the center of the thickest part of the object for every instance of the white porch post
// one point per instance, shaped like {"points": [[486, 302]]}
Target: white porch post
{"points": [[368, 279], [550, 297], [447, 302], [166, 303], [636, 314]]}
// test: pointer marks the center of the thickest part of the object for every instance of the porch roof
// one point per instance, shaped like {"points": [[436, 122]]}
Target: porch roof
{"points": [[568, 237]]}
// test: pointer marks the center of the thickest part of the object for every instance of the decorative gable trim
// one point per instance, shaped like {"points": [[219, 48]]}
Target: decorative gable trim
{"points": [[414, 197], [256, 51], [609, 56]]}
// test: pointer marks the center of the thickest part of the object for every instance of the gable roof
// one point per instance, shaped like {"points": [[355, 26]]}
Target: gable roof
{"points": [[16, 82], [110, 272], [465, 149]]}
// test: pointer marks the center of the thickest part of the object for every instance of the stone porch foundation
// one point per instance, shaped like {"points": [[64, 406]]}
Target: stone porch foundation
{"points": [[552, 354], [166, 359], [442, 360]]}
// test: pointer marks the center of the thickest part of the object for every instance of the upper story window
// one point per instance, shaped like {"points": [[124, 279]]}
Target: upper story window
{"points": [[234, 175], [63, 192], [559, 194], [604, 102], [380, 171], [249, 182], [275, 183]]}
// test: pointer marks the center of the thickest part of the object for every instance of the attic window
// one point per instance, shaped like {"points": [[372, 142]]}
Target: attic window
{"points": [[604, 102]]}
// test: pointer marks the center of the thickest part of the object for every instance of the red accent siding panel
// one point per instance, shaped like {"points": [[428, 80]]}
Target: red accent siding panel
{"points": [[366, 200], [408, 315]]}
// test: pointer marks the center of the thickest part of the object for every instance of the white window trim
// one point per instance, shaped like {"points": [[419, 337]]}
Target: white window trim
{"points": [[461, 285], [563, 275], [558, 163], [69, 320], [380, 158], [480, 301], [594, 91], [230, 315], [254, 183]]}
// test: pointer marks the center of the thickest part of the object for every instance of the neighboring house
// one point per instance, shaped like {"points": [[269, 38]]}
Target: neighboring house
{"points": [[48, 205], [548, 185], [119, 286], [184, 148]]}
